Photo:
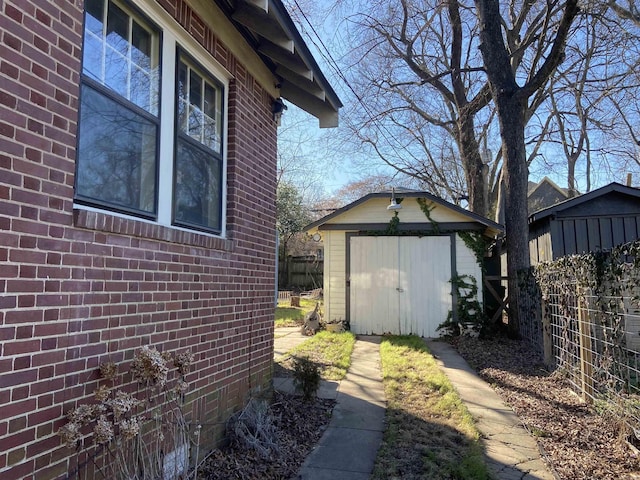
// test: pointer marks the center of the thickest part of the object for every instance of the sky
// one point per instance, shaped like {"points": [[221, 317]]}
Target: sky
{"points": [[332, 161], [333, 164]]}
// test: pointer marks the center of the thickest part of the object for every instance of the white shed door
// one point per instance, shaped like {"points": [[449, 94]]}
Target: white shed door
{"points": [[399, 285]]}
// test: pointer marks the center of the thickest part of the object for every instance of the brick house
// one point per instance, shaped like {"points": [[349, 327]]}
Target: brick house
{"points": [[137, 202]]}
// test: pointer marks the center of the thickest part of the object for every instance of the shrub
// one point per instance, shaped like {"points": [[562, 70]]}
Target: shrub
{"points": [[306, 377]]}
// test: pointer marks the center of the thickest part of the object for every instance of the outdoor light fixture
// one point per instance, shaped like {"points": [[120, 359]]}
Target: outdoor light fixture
{"points": [[393, 206], [277, 108]]}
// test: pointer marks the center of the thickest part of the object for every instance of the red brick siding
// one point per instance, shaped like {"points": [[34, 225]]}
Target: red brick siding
{"points": [[78, 288]]}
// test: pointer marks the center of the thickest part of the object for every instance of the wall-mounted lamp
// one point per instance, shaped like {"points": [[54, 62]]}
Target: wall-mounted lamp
{"points": [[277, 108], [393, 206]]}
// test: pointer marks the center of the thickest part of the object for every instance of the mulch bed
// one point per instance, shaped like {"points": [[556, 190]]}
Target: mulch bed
{"points": [[298, 426], [578, 443]]}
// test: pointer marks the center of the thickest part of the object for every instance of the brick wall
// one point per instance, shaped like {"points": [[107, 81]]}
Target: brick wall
{"points": [[78, 288]]}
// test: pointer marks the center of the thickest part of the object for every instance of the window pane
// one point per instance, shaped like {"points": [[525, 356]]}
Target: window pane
{"points": [[94, 17], [141, 51], [118, 29], [195, 107], [117, 51], [182, 98], [195, 89], [116, 71], [93, 56], [195, 122], [116, 155], [141, 88], [204, 122], [93, 34], [125, 56], [197, 198], [211, 134], [209, 101]]}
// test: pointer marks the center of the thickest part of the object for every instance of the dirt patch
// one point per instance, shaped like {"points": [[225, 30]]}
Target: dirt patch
{"points": [[578, 443]]}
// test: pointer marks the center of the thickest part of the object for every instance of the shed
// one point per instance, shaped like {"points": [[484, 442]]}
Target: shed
{"points": [[598, 220], [389, 270]]}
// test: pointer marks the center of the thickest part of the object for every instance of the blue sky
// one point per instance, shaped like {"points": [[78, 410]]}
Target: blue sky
{"points": [[335, 164]]}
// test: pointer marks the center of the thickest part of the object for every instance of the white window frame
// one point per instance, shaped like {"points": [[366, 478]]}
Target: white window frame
{"points": [[173, 36]]}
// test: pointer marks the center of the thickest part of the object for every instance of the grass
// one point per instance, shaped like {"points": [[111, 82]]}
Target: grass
{"points": [[288, 316], [430, 434], [332, 351]]}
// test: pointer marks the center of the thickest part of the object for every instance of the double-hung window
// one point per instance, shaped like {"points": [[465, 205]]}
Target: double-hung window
{"points": [[122, 162], [198, 163]]}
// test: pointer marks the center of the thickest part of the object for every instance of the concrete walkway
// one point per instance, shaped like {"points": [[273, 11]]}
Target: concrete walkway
{"points": [[512, 454], [349, 446]]}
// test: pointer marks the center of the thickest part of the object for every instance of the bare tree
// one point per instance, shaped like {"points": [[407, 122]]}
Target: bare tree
{"points": [[305, 156], [626, 12], [429, 102], [419, 78], [591, 99], [510, 101]]}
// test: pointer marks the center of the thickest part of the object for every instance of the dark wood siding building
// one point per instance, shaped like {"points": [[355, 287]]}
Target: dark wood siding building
{"points": [[598, 220]]}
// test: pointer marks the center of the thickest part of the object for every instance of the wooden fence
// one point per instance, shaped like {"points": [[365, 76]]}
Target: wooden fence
{"points": [[301, 273], [285, 295]]}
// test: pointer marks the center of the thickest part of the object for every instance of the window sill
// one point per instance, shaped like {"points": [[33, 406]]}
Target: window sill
{"points": [[109, 223]]}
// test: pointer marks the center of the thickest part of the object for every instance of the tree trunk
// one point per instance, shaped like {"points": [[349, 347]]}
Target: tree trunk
{"points": [[516, 175], [571, 175], [510, 102], [473, 166]]}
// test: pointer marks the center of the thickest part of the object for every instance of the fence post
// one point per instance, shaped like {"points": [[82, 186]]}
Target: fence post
{"points": [[586, 360], [547, 334]]}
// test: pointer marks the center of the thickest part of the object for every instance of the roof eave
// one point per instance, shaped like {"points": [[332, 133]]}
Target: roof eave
{"points": [[492, 227], [274, 36]]}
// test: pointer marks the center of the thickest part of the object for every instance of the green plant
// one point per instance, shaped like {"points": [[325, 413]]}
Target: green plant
{"points": [[392, 229], [537, 432], [306, 377], [426, 209], [478, 244], [468, 310]]}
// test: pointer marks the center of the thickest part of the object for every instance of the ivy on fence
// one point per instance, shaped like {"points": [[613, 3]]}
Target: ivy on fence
{"points": [[585, 299]]}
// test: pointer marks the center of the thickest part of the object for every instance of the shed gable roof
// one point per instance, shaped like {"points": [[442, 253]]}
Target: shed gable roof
{"points": [[594, 195], [456, 211], [268, 28]]}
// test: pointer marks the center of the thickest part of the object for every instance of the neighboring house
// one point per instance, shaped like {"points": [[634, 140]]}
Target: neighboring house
{"points": [[137, 202], [387, 278], [540, 196], [597, 220], [545, 194]]}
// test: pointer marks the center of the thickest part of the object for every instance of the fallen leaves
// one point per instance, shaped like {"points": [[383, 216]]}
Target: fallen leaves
{"points": [[578, 443], [298, 426]]}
